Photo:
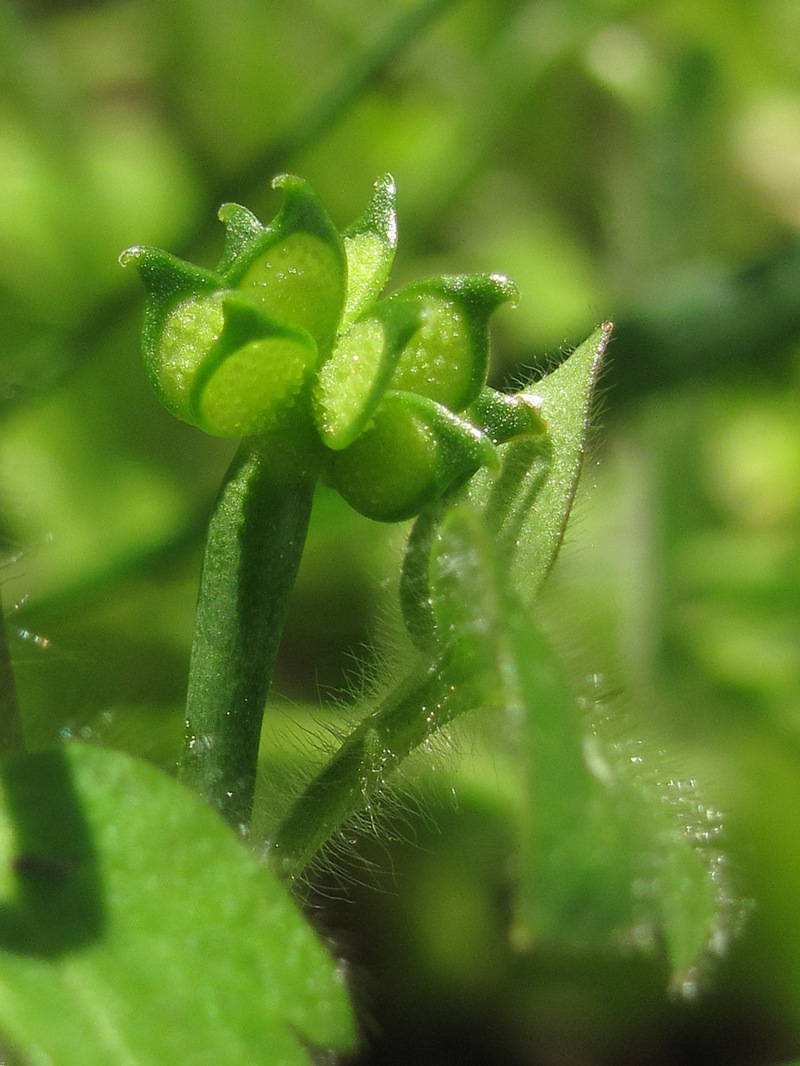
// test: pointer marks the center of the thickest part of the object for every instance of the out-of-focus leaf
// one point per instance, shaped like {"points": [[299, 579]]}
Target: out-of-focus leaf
{"points": [[610, 853], [136, 928]]}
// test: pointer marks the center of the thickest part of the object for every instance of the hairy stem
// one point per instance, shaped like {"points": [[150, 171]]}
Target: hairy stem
{"points": [[255, 541], [357, 773]]}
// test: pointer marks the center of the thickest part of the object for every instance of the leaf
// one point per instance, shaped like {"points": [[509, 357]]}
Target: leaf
{"points": [[448, 357], [528, 501], [527, 498], [137, 929], [610, 852]]}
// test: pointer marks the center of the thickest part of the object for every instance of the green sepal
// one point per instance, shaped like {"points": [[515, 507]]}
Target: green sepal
{"points": [[253, 375], [413, 451], [294, 269], [168, 282], [448, 359], [243, 232], [352, 382], [505, 417], [369, 245]]}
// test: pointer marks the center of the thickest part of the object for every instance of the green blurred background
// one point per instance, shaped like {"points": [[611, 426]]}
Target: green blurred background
{"points": [[638, 161]]}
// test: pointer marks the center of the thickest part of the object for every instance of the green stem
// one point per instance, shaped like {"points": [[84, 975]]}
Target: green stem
{"points": [[255, 541], [357, 773], [11, 736]]}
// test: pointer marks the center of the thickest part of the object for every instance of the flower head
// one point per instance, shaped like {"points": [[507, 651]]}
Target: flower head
{"points": [[290, 326]]}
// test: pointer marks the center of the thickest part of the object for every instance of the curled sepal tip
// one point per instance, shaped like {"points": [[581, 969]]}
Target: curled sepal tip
{"points": [[243, 231], [447, 359], [411, 453]]}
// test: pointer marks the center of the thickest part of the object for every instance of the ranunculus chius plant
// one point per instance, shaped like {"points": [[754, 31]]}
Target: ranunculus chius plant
{"points": [[289, 345]]}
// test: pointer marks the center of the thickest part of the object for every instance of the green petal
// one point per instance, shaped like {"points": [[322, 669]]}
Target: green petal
{"points": [[294, 269], [353, 380], [370, 245], [413, 451], [448, 359]]}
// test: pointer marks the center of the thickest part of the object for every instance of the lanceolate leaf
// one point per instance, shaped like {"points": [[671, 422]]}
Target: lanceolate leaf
{"points": [[528, 502], [136, 929], [610, 852]]}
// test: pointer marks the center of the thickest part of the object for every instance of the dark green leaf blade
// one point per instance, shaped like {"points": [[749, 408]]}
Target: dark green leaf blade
{"points": [[136, 928]]}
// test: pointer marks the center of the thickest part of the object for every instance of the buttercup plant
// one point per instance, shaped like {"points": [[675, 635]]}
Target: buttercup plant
{"points": [[287, 345], [135, 925]]}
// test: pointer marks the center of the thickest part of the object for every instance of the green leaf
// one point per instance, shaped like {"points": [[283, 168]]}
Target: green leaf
{"points": [[609, 849], [411, 453], [448, 358], [527, 502], [351, 383], [369, 246], [137, 929]]}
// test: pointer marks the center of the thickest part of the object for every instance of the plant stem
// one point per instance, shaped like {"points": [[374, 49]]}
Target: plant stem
{"points": [[11, 736], [357, 773], [255, 541]]}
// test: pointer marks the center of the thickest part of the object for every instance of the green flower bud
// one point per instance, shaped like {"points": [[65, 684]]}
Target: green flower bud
{"points": [[287, 332]]}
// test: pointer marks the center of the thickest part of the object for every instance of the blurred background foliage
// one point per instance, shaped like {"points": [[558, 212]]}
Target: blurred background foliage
{"points": [[618, 159]]}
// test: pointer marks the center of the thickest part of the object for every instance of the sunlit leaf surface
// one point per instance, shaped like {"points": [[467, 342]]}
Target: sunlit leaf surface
{"points": [[137, 929]]}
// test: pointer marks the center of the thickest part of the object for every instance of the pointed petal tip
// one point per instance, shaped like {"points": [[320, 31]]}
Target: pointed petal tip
{"points": [[131, 255]]}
